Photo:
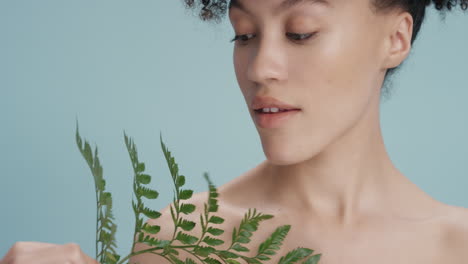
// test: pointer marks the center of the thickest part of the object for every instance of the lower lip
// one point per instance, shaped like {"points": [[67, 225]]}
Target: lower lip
{"points": [[274, 120]]}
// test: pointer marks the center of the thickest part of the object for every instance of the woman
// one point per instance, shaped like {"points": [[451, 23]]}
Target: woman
{"points": [[312, 74]]}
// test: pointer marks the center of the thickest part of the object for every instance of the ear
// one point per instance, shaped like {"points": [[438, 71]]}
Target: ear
{"points": [[398, 40]]}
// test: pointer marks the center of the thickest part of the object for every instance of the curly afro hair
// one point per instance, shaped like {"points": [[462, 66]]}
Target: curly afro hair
{"points": [[214, 10], [210, 10]]}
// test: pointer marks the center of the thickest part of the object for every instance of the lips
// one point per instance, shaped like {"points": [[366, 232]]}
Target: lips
{"points": [[260, 102]]}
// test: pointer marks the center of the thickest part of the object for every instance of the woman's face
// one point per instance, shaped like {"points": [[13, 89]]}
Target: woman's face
{"points": [[334, 77]]}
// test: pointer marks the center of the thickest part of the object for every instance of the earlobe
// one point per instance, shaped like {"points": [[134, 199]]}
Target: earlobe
{"points": [[399, 40]]}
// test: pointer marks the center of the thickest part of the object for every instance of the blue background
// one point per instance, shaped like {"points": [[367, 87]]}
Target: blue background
{"points": [[151, 66]]}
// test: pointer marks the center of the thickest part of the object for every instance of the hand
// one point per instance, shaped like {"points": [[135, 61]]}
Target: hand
{"points": [[28, 252]]}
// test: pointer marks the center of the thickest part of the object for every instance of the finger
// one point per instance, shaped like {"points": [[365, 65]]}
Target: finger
{"points": [[68, 253], [90, 260], [22, 247]]}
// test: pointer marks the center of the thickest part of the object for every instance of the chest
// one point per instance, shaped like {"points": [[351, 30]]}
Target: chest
{"points": [[371, 241], [384, 245], [390, 244]]}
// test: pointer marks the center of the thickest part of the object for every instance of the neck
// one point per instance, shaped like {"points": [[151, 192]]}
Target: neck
{"points": [[352, 176]]}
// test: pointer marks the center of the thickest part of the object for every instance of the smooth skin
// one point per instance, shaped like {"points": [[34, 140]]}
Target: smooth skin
{"points": [[327, 172], [29, 252]]}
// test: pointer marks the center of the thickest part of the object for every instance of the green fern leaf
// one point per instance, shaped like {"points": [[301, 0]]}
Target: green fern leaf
{"points": [[187, 208], [151, 213], [186, 224], [180, 181], [175, 259], [152, 229], [143, 178], [239, 248], [213, 241], [152, 241], [209, 260], [227, 254], [273, 243], [185, 194], [140, 167], [295, 255], [113, 258], [135, 208], [203, 251], [212, 195], [186, 238], [189, 261], [215, 231], [313, 259], [148, 193], [243, 239], [251, 260], [216, 220], [106, 199]]}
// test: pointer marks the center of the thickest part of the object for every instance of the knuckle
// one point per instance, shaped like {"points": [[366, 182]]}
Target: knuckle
{"points": [[74, 253], [17, 244], [16, 248], [14, 252], [72, 247]]}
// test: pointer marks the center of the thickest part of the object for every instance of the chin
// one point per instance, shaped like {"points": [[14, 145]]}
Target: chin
{"points": [[282, 152]]}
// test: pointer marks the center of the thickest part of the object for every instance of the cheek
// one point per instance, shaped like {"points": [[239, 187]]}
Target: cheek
{"points": [[336, 75], [334, 85]]}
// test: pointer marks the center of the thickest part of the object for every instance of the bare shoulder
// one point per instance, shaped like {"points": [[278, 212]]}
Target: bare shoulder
{"points": [[455, 226], [166, 223]]}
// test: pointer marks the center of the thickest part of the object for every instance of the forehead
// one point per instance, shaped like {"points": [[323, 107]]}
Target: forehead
{"points": [[278, 6]]}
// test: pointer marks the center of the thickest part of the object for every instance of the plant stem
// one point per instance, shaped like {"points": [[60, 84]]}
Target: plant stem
{"points": [[136, 215], [190, 252], [150, 251], [176, 221], [204, 227], [164, 256], [97, 217]]}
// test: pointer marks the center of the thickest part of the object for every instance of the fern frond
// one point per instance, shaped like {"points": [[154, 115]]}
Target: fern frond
{"points": [[186, 238], [209, 260], [295, 255], [273, 243], [104, 221], [205, 218], [147, 192], [145, 233], [187, 208], [151, 229], [248, 225], [212, 195], [313, 259], [141, 178]]}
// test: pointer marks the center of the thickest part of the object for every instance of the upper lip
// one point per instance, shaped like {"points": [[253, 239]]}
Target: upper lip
{"points": [[269, 102]]}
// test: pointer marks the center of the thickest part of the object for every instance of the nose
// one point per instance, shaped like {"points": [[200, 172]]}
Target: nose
{"points": [[268, 62]]}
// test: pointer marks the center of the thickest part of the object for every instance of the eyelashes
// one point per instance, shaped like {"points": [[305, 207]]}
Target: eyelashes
{"points": [[243, 39]]}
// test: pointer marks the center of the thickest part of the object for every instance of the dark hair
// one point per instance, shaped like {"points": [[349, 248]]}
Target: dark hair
{"points": [[214, 10]]}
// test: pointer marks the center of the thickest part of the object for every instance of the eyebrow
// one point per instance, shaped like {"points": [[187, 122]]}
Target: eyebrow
{"points": [[285, 4]]}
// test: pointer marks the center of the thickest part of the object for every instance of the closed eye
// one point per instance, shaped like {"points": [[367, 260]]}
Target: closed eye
{"points": [[297, 36], [243, 39]]}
